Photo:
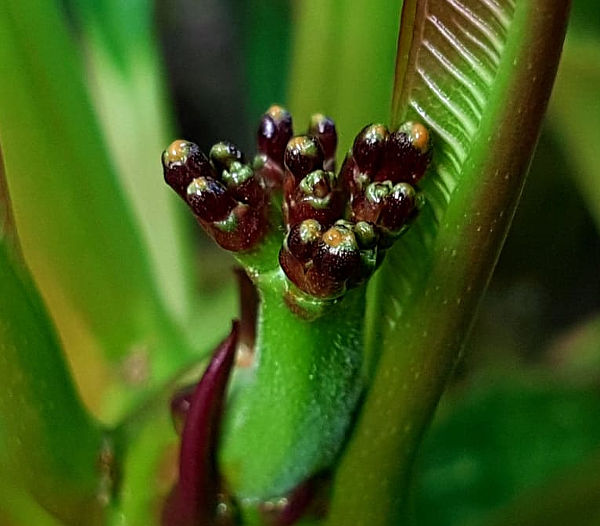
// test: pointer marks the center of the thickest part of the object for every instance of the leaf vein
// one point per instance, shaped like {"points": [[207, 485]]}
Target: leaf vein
{"points": [[461, 49]]}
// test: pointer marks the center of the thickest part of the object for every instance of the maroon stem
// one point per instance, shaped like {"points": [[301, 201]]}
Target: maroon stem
{"points": [[194, 499], [248, 308]]}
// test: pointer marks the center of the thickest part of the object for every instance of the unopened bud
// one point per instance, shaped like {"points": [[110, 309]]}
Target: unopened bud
{"points": [[369, 148], [241, 230], [316, 197], [336, 260], [224, 154], [245, 186], [302, 239], [353, 180], [408, 154], [274, 132], [209, 199], [303, 154], [323, 128], [368, 206], [399, 207], [366, 235], [182, 162]]}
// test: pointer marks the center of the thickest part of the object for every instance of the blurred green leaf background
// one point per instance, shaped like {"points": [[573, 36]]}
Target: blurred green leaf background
{"points": [[518, 428]]}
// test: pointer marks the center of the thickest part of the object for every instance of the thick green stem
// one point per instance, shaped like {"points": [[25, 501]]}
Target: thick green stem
{"points": [[289, 411]]}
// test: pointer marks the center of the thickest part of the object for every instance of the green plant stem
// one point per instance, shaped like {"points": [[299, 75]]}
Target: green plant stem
{"points": [[289, 412], [423, 340]]}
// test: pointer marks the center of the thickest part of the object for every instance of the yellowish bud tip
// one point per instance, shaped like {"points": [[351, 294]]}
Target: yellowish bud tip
{"points": [[176, 152], [276, 112], [419, 136]]}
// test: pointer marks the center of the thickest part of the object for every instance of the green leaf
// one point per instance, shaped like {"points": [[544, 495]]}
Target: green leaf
{"points": [[17, 508], [343, 63], [76, 229], [575, 116], [571, 497], [49, 446], [499, 441], [265, 30], [478, 74], [125, 80]]}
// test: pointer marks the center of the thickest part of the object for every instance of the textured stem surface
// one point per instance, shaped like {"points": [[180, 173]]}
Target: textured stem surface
{"points": [[479, 74]]}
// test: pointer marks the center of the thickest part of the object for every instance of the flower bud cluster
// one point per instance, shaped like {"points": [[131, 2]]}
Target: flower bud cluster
{"points": [[227, 197], [337, 226]]}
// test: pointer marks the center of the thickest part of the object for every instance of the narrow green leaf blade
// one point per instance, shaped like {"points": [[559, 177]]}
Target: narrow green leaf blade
{"points": [[48, 444], [76, 230], [478, 73], [575, 114], [343, 63], [265, 30], [125, 80]]}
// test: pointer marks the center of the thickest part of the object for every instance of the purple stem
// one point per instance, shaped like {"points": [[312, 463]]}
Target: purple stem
{"points": [[194, 499], [248, 308]]}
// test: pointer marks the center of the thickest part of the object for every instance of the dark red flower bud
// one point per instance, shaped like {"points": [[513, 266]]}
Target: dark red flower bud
{"points": [[323, 128], [302, 239], [316, 197], [369, 205], [241, 230], [274, 132], [297, 251], [303, 154], [322, 254], [268, 170], [369, 148], [244, 185], [209, 199], [336, 259], [292, 267], [408, 154], [353, 180], [400, 205], [224, 154], [182, 162]]}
